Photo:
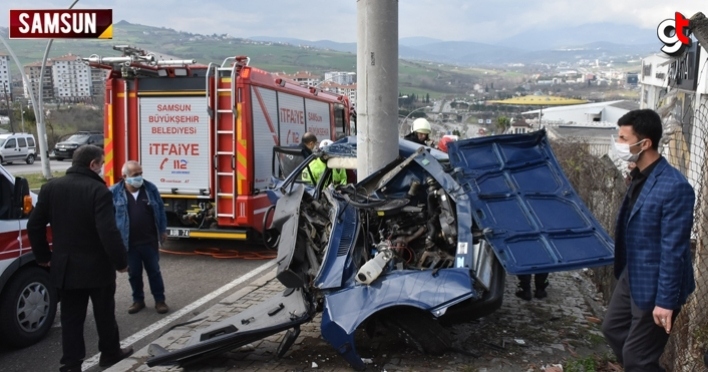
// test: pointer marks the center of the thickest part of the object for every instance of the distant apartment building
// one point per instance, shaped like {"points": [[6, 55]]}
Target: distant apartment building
{"points": [[98, 81], [33, 72], [71, 78], [5, 81], [348, 90], [304, 78], [341, 78]]}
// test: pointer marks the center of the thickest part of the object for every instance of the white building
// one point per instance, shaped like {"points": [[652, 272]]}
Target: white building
{"points": [[33, 71], [5, 78], [304, 78], [348, 90], [341, 78], [597, 138], [71, 77], [653, 80], [587, 113]]}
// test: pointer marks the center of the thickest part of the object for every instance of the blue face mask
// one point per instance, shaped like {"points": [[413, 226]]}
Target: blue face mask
{"points": [[136, 181]]}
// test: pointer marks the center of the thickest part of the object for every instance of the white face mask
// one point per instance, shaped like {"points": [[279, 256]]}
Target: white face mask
{"points": [[622, 151]]}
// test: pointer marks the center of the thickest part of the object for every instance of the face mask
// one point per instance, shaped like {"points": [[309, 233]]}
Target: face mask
{"points": [[98, 170], [136, 181], [622, 151]]}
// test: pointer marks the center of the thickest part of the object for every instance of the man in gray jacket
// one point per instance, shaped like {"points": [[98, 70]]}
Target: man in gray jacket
{"points": [[141, 219]]}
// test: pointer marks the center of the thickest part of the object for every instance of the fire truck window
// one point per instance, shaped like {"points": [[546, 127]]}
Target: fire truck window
{"points": [[339, 121], [6, 189]]}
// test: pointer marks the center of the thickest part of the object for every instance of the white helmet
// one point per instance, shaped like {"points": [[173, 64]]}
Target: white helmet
{"points": [[421, 125], [325, 143]]}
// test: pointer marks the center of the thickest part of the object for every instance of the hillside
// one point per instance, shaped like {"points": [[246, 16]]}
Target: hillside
{"points": [[414, 77]]}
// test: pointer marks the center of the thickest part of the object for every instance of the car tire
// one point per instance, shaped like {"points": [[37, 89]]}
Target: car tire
{"points": [[28, 305], [59, 159], [30, 159], [420, 331]]}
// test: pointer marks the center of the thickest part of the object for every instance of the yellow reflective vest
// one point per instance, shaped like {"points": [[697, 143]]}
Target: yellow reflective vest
{"points": [[317, 168]]}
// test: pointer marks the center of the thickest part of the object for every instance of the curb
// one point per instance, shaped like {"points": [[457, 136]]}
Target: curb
{"points": [[178, 334]]}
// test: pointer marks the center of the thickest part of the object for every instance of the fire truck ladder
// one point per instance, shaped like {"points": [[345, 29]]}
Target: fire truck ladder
{"points": [[225, 136]]}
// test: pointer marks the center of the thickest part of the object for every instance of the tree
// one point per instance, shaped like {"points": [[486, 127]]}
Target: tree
{"points": [[503, 123]]}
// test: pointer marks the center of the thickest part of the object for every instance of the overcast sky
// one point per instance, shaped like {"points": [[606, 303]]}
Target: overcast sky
{"points": [[471, 20]]}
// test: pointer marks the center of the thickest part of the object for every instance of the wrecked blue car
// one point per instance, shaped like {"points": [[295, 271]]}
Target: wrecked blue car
{"points": [[426, 241]]}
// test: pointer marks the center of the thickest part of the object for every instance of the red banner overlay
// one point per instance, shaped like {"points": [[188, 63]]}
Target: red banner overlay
{"points": [[61, 24]]}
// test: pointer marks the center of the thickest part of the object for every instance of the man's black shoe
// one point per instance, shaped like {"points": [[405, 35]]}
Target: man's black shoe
{"points": [[541, 293], [135, 307], [524, 294], [110, 360]]}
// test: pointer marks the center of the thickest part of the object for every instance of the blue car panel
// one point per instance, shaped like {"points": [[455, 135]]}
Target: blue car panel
{"points": [[529, 212]]}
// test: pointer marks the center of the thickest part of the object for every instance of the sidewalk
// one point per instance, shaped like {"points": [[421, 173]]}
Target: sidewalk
{"points": [[521, 336]]}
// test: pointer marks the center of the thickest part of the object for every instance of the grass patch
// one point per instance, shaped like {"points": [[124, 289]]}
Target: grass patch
{"points": [[586, 364], [36, 180]]}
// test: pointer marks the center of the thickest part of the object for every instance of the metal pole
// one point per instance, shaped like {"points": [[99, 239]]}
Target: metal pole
{"points": [[9, 112], [23, 120], [24, 77], [41, 126], [377, 84]]}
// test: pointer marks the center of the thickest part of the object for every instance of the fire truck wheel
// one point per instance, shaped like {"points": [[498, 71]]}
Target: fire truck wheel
{"points": [[28, 305]]}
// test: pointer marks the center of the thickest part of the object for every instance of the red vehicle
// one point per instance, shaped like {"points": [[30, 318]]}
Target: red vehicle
{"points": [[204, 135]]}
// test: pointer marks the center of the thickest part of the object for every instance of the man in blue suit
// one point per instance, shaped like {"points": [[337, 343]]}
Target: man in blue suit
{"points": [[653, 262]]}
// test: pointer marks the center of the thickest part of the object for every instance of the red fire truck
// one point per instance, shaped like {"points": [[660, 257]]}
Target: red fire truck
{"points": [[205, 135]]}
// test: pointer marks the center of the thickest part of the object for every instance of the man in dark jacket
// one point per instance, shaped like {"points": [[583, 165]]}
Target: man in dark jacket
{"points": [[309, 142], [87, 251]]}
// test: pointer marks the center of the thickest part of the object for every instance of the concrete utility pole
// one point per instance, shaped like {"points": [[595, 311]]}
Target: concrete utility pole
{"points": [[377, 85]]}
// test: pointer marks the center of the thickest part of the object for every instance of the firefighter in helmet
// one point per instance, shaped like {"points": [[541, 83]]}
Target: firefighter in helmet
{"points": [[421, 131]]}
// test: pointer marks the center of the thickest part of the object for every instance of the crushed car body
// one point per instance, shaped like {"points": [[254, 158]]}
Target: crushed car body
{"points": [[427, 240]]}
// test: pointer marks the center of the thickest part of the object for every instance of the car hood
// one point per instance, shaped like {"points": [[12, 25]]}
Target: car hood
{"points": [[527, 209]]}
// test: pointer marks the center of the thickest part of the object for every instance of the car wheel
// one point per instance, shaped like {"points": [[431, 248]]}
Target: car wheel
{"points": [[420, 331], [30, 159], [27, 308], [59, 159]]}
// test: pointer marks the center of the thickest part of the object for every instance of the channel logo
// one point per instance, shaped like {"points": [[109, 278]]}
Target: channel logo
{"points": [[61, 24], [675, 34]]}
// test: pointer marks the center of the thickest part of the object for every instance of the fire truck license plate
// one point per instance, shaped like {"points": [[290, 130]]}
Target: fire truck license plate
{"points": [[178, 233]]}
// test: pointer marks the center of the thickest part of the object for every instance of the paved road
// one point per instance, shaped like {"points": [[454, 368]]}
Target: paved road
{"points": [[18, 168], [188, 277]]}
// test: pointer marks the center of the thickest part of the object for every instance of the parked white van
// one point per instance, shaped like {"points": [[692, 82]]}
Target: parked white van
{"points": [[17, 147]]}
